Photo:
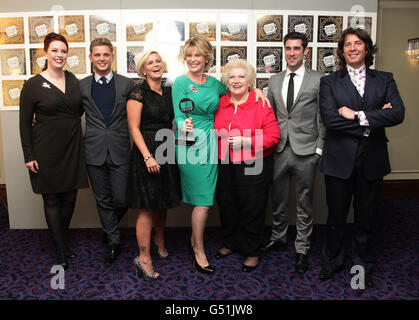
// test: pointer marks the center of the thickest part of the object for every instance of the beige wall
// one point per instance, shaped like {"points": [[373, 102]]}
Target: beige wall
{"points": [[397, 22]]}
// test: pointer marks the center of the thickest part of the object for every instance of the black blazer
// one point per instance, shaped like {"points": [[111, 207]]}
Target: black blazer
{"points": [[344, 137], [99, 137]]}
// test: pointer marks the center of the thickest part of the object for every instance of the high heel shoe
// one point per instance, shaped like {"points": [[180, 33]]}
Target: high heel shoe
{"points": [[207, 270], [147, 277], [162, 254], [62, 260], [246, 268]]}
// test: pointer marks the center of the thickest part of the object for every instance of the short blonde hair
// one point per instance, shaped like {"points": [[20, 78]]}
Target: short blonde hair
{"points": [[204, 47], [141, 62], [239, 63]]}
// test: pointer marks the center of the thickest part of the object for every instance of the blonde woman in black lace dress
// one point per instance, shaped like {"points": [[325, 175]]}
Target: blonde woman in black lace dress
{"points": [[153, 186]]}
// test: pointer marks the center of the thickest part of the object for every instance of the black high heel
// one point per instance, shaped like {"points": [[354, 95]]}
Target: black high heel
{"points": [[206, 270], [147, 277], [62, 260]]}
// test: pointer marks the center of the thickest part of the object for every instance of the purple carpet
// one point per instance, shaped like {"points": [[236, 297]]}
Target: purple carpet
{"points": [[26, 257]]}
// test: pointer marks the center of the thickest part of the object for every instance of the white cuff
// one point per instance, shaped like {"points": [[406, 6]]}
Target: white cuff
{"points": [[363, 121], [319, 151]]}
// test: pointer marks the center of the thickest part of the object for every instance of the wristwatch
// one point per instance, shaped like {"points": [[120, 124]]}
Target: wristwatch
{"points": [[356, 116]]}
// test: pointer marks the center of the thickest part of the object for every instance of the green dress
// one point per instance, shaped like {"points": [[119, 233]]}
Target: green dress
{"points": [[198, 163]]}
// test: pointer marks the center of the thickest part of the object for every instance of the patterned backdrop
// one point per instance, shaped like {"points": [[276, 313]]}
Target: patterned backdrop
{"points": [[255, 35]]}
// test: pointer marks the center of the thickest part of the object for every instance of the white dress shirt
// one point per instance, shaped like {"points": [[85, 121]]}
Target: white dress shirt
{"points": [[358, 78], [298, 80], [108, 77]]}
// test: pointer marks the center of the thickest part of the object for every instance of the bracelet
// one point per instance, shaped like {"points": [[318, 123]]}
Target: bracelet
{"points": [[356, 116], [148, 157]]}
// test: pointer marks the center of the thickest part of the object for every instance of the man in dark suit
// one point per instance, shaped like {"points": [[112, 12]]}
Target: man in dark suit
{"points": [[293, 93], [356, 104], [106, 140]]}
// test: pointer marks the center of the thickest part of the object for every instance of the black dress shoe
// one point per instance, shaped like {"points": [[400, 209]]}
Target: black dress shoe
{"points": [[369, 282], [326, 274], [275, 245], [246, 268], [113, 253], [301, 265]]}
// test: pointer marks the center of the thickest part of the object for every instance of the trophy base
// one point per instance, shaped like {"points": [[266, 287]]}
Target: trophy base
{"points": [[184, 142]]}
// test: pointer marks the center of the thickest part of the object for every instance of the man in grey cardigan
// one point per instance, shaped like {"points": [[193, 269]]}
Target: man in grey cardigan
{"points": [[293, 94], [107, 142]]}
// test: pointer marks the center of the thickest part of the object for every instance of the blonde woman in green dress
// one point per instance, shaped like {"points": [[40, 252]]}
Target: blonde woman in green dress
{"points": [[198, 163]]}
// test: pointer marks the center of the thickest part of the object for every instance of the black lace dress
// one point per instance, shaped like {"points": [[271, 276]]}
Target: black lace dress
{"points": [[147, 190]]}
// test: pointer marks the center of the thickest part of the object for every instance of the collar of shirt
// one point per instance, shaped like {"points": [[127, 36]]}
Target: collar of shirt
{"points": [[361, 71], [299, 72], [249, 103], [108, 77]]}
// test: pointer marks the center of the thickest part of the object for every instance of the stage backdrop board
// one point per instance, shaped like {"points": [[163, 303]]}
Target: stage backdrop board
{"points": [[256, 35]]}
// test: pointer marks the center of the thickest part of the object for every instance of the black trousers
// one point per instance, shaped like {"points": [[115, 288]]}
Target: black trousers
{"points": [[109, 183], [366, 197], [242, 200]]}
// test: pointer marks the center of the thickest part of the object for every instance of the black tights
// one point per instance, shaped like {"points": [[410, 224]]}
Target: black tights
{"points": [[59, 208]]}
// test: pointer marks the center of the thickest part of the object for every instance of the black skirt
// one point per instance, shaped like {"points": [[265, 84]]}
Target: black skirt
{"points": [[152, 191]]}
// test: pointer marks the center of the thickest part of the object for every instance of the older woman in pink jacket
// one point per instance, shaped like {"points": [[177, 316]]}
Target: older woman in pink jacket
{"points": [[247, 133]]}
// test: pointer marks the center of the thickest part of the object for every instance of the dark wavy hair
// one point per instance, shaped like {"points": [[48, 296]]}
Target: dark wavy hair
{"points": [[295, 36], [50, 37], [364, 37]]}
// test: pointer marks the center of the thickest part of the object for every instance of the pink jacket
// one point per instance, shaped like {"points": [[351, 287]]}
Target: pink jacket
{"points": [[250, 119]]}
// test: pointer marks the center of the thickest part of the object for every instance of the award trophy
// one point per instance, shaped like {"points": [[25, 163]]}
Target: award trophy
{"points": [[186, 106]]}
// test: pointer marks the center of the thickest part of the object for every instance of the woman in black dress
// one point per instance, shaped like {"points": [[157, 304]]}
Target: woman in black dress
{"points": [[53, 146], [153, 184]]}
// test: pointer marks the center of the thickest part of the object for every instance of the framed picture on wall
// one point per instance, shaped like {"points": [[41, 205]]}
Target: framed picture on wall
{"points": [[133, 54], [138, 27], [233, 27], [72, 28], [204, 26], [76, 60], [327, 60], [38, 60], [268, 59], [329, 28], [170, 28], [308, 58], [13, 62], [12, 31], [262, 84], [303, 24], [39, 27], [269, 28], [232, 53], [11, 92], [102, 26], [364, 23]]}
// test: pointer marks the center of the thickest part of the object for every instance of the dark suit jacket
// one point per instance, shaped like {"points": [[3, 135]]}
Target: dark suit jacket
{"points": [[345, 137], [100, 138]]}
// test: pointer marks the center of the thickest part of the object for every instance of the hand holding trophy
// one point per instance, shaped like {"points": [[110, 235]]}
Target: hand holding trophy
{"points": [[186, 138]]}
